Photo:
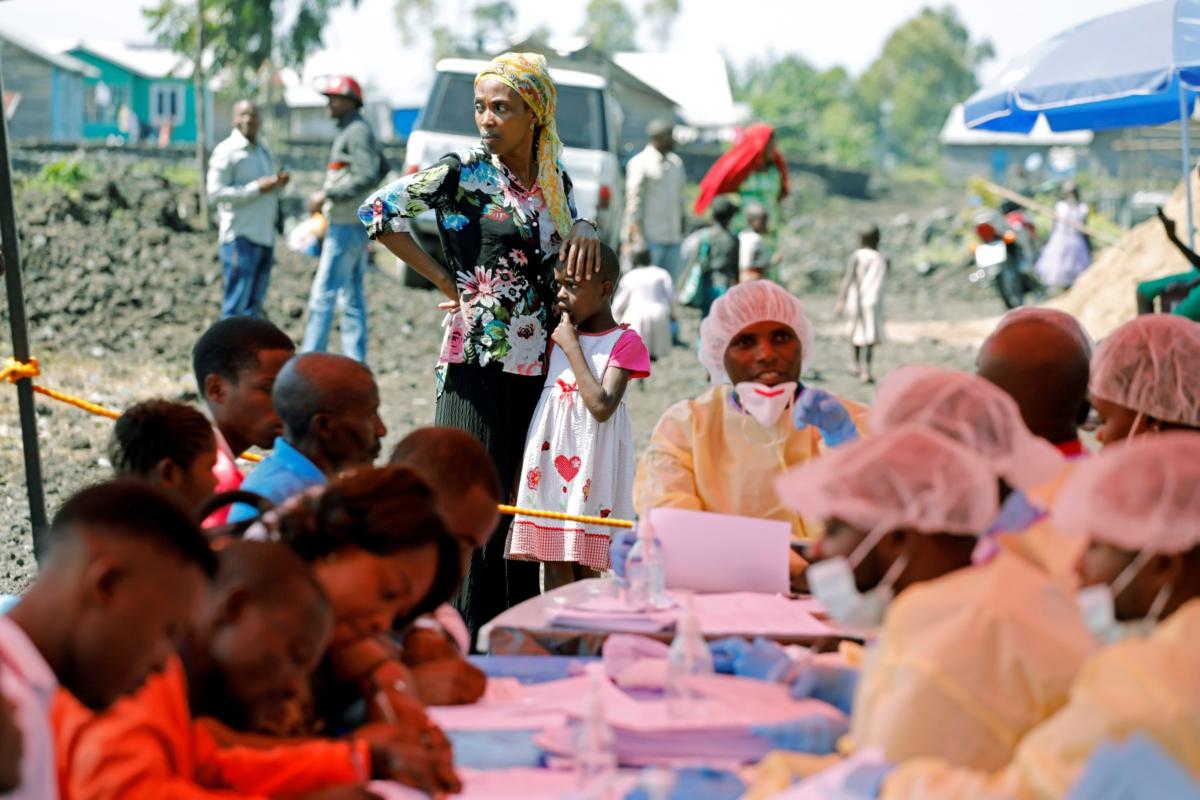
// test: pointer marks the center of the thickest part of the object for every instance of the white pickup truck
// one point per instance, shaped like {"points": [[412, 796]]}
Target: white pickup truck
{"points": [[589, 123]]}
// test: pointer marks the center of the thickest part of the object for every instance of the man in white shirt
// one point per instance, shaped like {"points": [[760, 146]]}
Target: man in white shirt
{"points": [[120, 577], [243, 182], [654, 197]]}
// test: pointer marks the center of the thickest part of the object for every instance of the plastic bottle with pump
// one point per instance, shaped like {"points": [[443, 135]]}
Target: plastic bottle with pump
{"points": [[595, 742], [688, 657], [646, 581]]}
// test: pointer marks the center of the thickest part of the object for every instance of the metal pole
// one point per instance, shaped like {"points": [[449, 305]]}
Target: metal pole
{"points": [[1185, 119], [11, 267], [201, 116]]}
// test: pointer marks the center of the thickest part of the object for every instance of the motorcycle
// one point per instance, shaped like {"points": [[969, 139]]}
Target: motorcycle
{"points": [[1004, 254]]}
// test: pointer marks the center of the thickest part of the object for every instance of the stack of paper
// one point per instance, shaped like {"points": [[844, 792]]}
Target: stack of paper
{"points": [[609, 614], [715, 728], [734, 614]]}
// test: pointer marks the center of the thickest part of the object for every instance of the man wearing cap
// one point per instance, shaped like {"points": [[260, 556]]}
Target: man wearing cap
{"points": [[356, 165], [243, 182], [654, 197]]}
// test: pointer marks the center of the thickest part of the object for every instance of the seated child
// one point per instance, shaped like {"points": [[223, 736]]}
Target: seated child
{"points": [[466, 490], [379, 550], [235, 362], [579, 451], [263, 628], [644, 300], [122, 569], [169, 444]]}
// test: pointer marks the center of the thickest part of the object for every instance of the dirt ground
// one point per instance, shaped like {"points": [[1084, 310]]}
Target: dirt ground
{"points": [[94, 342]]}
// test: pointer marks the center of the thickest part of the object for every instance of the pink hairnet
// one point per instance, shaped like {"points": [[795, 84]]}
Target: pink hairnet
{"points": [[742, 306], [1141, 495], [972, 411], [1051, 316], [909, 477], [1151, 364]]}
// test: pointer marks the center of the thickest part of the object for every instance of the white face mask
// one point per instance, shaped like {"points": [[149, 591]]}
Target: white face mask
{"points": [[766, 403], [832, 583], [1098, 606]]}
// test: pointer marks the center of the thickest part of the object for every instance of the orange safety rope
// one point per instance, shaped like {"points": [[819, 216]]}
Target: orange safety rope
{"points": [[14, 371], [530, 512]]}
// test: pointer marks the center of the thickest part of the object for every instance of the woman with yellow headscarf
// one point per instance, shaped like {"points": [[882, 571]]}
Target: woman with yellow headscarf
{"points": [[506, 215]]}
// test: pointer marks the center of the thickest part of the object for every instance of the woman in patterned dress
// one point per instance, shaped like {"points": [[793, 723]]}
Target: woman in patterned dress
{"points": [[505, 216]]}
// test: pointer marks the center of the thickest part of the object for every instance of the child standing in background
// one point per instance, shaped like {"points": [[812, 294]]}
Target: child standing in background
{"points": [[644, 301], [861, 299], [579, 453]]}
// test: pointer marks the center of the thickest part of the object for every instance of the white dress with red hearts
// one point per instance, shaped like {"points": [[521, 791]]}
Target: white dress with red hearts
{"points": [[574, 463]]}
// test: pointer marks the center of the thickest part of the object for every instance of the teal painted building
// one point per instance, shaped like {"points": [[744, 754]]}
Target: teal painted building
{"points": [[136, 92]]}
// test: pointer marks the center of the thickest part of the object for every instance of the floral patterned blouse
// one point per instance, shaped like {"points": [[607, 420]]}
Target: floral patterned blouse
{"points": [[497, 238]]}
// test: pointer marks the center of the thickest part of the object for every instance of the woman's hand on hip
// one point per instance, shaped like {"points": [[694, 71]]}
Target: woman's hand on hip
{"points": [[581, 252]]}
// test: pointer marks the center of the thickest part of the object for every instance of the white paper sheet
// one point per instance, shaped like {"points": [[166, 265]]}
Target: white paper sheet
{"points": [[705, 552]]}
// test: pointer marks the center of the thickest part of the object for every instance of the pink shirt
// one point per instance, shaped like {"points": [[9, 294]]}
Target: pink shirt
{"points": [[229, 477], [30, 685], [630, 353]]}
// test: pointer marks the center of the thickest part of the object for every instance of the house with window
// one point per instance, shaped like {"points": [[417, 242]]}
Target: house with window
{"points": [[139, 93], [43, 91]]}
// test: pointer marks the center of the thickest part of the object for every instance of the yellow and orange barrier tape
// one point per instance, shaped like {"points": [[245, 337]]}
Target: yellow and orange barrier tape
{"points": [[531, 512], [14, 371]]}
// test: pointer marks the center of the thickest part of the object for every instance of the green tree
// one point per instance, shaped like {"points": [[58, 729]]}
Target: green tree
{"points": [[243, 36], [815, 113], [609, 26], [660, 16], [490, 27], [927, 65]]}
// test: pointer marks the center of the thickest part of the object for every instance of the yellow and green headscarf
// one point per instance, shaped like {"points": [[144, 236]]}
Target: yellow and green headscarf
{"points": [[527, 75]]}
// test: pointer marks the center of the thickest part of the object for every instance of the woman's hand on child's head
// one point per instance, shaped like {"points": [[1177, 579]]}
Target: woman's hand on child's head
{"points": [[564, 334]]}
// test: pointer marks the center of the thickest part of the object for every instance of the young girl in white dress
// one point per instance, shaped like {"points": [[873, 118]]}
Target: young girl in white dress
{"points": [[861, 299], [579, 455]]}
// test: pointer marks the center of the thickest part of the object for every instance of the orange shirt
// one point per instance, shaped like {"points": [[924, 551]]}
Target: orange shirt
{"points": [[148, 747]]}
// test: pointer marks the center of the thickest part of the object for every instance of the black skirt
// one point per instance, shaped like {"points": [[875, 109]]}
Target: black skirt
{"points": [[496, 408]]}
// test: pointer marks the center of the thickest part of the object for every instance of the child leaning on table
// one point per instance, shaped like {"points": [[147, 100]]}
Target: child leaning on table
{"points": [[579, 452]]}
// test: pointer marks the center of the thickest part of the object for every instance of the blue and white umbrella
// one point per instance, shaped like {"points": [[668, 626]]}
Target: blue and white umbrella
{"points": [[1136, 67]]}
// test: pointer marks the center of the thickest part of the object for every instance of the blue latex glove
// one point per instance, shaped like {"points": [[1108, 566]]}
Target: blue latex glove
{"points": [[1136, 769], [761, 659], [866, 780], [701, 783], [826, 413], [495, 749], [619, 546], [829, 684], [816, 734]]}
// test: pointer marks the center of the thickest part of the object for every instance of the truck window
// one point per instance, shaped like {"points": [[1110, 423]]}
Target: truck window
{"points": [[451, 110]]}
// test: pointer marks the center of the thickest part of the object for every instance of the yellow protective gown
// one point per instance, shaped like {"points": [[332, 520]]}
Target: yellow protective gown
{"points": [[1041, 543], [1149, 685], [965, 665], [706, 455]]}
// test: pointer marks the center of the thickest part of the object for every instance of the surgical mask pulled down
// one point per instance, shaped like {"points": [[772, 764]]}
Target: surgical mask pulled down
{"points": [[766, 404], [832, 583], [1098, 606]]}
